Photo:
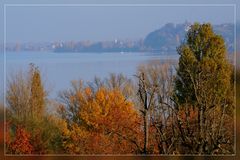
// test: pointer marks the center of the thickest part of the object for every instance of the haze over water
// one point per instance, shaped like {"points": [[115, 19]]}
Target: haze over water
{"points": [[59, 69]]}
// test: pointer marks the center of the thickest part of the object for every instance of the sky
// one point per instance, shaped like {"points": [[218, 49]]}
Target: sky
{"points": [[77, 23]]}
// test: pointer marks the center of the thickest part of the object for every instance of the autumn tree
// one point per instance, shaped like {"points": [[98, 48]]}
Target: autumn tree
{"points": [[115, 81], [26, 106], [203, 85], [37, 97], [69, 103], [26, 96], [155, 86], [17, 97], [21, 143], [100, 122]]}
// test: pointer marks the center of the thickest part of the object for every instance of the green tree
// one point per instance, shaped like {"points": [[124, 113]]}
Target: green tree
{"points": [[204, 82]]}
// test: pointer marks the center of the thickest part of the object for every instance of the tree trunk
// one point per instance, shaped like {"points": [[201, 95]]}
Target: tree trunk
{"points": [[145, 131], [202, 128]]}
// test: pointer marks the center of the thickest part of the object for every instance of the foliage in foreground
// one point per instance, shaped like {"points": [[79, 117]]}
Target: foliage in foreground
{"points": [[105, 123], [30, 129]]}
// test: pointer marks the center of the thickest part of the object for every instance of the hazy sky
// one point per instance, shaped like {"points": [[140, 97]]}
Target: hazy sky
{"points": [[36, 24]]}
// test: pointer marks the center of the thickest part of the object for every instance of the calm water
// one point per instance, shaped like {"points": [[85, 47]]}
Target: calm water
{"points": [[59, 69]]}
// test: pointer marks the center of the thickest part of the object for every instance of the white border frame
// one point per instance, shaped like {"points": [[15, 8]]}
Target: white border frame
{"points": [[121, 5]]}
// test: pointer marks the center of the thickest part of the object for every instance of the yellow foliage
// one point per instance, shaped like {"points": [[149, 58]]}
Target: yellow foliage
{"points": [[107, 121]]}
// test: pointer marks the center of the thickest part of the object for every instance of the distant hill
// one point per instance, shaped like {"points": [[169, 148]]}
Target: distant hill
{"points": [[164, 40], [168, 37]]}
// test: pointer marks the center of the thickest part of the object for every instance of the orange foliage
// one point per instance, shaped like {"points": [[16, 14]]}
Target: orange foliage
{"points": [[110, 124], [188, 114], [21, 143]]}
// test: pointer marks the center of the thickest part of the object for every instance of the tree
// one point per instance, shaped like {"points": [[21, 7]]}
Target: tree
{"points": [[17, 96], [26, 96], [106, 123], [37, 93], [155, 86], [114, 81], [204, 83], [26, 107], [21, 143]]}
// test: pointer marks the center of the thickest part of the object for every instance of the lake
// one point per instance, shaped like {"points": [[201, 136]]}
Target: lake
{"points": [[59, 69]]}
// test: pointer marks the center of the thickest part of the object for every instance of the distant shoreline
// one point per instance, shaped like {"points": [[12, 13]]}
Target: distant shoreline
{"points": [[162, 40], [141, 52]]}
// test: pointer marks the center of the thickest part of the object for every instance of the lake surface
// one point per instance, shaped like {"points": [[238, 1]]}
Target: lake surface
{"points": [[59, 69]]}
